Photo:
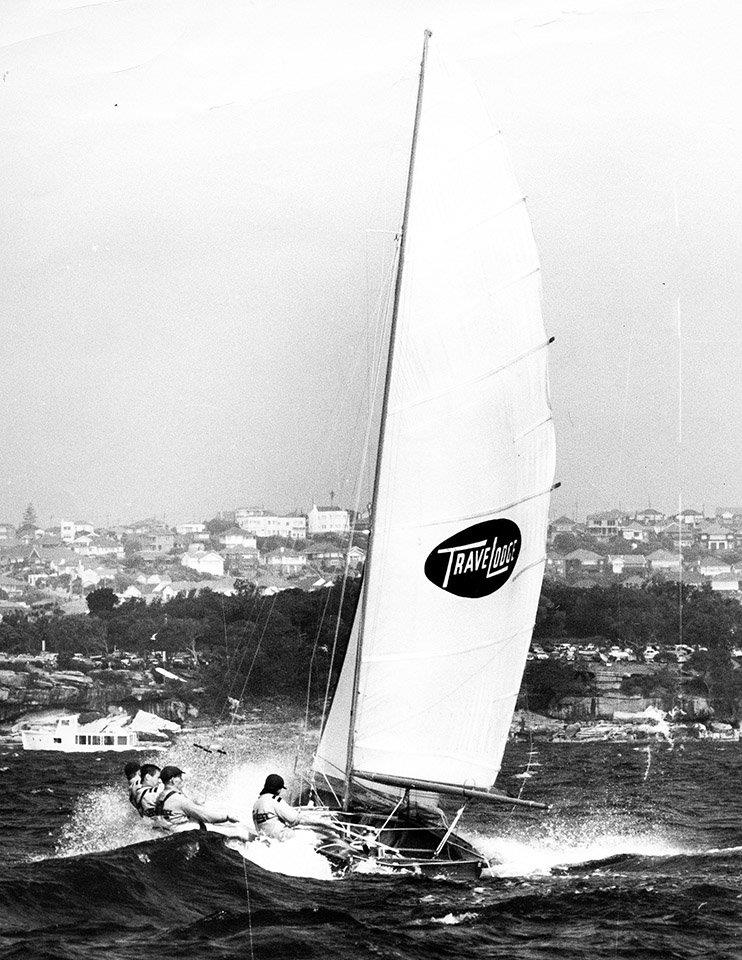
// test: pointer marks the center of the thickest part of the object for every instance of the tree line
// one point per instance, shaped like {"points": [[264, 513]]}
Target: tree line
{"points": [[271, 645]]}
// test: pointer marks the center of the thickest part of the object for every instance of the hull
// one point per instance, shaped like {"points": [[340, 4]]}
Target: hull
{"points": [[378, 833]]}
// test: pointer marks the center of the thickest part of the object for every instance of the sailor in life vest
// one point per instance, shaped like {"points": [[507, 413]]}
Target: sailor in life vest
{"points": [[274, 818], [144, 797], [175, 812], [131, 772]]}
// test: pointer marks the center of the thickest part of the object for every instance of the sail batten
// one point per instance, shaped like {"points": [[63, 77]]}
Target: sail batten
{"points": [[464, 475]]}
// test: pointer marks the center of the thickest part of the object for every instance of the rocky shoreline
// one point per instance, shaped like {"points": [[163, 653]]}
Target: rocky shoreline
{"points": [[35, 683], [30, 683], [646, 727]]}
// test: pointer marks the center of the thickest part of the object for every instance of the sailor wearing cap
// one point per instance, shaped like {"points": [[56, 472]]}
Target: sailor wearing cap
{"points": [[131, 772], [274, 818], [175, 812], [144, 796]]}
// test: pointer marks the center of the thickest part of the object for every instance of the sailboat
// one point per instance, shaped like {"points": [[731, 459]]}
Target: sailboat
{"points": [[464, 472]]}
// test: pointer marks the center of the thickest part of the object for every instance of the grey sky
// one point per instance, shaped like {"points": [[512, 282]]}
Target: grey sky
{"points": [[199, 201]]}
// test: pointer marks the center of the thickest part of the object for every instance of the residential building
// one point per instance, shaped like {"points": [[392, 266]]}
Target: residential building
{"points": [[326, 555], [729, 515], [245, 513], [587, 560], [662, 560], [142, 527], [690, 517], [209, 562], [634, 531], [714, 536], [70, 530], [562, 524], [158, 541], [290, 527], [606, 524], [710, 568], [356, 557], [286, 562], [322, 520], [237, 537], [184, 529], [241, 556], [627, 563], [649, 517], [726, 583], [681, 534]]}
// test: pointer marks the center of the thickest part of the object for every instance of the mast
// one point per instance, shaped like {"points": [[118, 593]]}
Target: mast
{"points": [[382, 428]]}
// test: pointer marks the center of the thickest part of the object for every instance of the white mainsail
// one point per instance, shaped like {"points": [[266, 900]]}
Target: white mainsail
{"points": [[468, 439]]}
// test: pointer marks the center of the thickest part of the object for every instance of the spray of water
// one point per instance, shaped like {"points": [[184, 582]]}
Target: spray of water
{"points": [[103, 819], [559, 844]]}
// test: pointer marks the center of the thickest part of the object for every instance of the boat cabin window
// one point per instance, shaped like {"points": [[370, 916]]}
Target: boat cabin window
{"points": [[122, 741], [108, 741], [57, 739], [96, 741], [82, 739]]}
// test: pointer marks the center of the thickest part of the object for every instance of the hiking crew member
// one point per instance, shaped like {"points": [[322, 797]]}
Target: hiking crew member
{"points": [[274, 818], [131, 772], [146, 794], [175, 812]]}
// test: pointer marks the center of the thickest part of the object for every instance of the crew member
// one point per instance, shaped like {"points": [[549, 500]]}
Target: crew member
{"points": [[175, 812], [146, 794], [273, 817], [131, 772]]}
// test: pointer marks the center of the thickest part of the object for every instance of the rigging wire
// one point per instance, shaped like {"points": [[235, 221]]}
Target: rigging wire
{"points": [[301, 741], [255, 657], [383, 311], [232, 670]]}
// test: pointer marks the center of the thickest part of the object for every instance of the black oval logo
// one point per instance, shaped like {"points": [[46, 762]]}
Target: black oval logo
{"points": [[477, 561]]}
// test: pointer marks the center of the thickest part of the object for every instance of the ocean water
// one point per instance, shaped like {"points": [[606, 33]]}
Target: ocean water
{"points": [[640, 857]]}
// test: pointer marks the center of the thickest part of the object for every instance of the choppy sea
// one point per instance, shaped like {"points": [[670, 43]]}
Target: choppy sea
{"points": [[640, 857]]}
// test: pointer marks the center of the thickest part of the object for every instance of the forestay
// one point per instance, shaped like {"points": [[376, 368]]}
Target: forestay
{"points": [[468, 440]]}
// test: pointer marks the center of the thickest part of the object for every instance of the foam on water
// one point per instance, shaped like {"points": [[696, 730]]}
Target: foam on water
{"points": [[294, 857], [569, 845], [103, 819]]}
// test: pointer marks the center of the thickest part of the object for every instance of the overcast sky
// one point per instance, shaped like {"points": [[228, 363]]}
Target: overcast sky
{"points": [[199, 203]]}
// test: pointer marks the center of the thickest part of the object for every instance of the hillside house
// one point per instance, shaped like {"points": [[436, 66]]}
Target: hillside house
{"points": [[726, 583], [562, 524], [663, 560], [649, 517], [679, 533], [286, 562], [587, 561], [158, 541], [237, 537], [690, 517], [356, 557], [70, 530], [714, 536], [606, 524], [208, 561], [327, 520], [711, 567], [262, 524], [326, 555], [186, 529], [627, 563], [634, 531]]}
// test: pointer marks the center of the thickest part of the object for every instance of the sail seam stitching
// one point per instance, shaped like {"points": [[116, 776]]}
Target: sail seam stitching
{"points": [[487, 513], [534, 563], [471, 383]]}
